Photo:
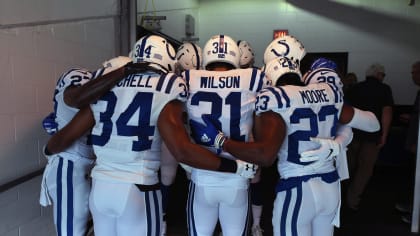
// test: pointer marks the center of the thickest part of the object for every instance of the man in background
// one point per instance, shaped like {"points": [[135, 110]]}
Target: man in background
{"points": [[405, 205], [375, 96]]}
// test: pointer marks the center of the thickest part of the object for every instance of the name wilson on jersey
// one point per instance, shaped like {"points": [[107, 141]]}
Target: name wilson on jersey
{"points": [[220, 82]]}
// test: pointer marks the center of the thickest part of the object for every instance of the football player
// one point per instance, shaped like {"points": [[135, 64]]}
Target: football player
{"points": [[322, 70], [247, 61], [127, 145], [295, 114], [290, 47], [225, 95], [128, 124], [64, 183], [189, 56]]}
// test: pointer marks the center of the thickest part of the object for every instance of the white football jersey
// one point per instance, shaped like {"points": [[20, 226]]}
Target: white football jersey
{"points": [[125, 137], [309, 111], [64, 113], [229, 96]]}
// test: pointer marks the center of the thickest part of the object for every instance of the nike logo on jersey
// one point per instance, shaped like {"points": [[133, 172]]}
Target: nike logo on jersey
{"points": [[324, 72], [331, 151]]}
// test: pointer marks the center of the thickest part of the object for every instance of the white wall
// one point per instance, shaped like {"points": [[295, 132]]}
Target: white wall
{"points": [[175, 12], [21, 214], [39, 40], [384, 31]]}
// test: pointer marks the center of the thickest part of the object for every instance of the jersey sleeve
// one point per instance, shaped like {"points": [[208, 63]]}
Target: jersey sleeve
{"points": [[173, 86], [271, 99], [258, 80]]}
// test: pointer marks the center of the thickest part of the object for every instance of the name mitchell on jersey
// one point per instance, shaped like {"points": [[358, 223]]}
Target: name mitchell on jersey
{"points": [[136, 80]]}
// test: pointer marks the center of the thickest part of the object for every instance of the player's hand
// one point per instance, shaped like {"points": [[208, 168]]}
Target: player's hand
{"points": [[246, 169], [49, 124], [327, 150], [208, 134]]}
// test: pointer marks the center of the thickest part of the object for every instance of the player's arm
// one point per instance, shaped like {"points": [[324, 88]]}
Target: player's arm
{"points": [[329, 148], [351, 117], [173, 133], [81, 123], [269, 132], [81, 96], [359, 119]]}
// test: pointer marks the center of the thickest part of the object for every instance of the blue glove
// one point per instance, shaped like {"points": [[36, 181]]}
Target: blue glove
{"points": [[208, 134], [49, 124]]}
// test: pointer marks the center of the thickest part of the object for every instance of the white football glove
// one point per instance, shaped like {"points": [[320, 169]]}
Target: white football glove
{"points": [[246, 169], [327, 150]]}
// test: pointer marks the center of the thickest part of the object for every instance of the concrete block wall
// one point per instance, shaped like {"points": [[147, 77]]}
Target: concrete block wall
{"points": [[21, 214], [35, 50], [39, 40]]}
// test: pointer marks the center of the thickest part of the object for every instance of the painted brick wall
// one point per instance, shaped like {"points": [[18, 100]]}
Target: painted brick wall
{"points": [[34, 51], [21, 214], [39, 40]]}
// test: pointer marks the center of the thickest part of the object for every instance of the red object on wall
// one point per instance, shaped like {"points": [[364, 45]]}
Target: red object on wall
{"points": [[279, 33]]}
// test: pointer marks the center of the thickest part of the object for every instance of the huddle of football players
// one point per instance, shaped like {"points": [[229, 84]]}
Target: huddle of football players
{"points": [[123, 129]]}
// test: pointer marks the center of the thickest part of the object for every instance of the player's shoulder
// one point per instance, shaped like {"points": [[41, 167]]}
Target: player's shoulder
{"points": [[74, 77], [76, 72], [170, 83], [287, 90], [284, 97], [170, 78], [320, 75], [317, 86]]}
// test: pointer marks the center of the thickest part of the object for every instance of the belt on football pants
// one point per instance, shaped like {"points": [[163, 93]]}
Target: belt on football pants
{"points": [[289, 183]]}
